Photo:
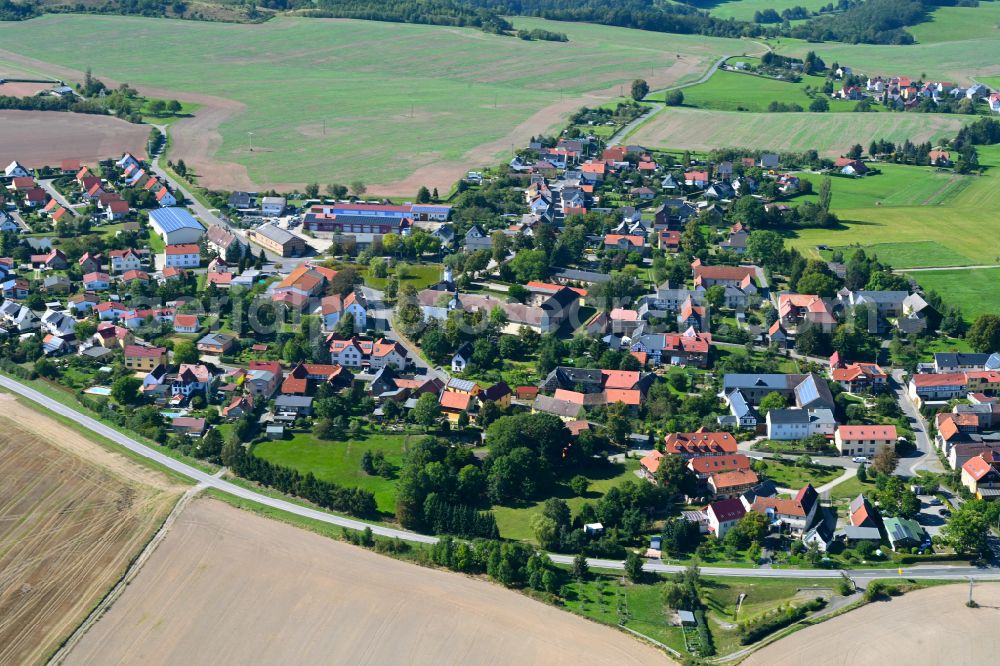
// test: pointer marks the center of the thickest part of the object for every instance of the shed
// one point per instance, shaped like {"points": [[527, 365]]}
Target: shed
{"points": [[686, 618]]}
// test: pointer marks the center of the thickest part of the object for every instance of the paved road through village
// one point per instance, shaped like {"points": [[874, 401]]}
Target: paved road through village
{"points": [[210, 481]]}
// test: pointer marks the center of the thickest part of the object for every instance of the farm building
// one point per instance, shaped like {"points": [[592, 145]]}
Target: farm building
{"points": [[277, 240], [175, 226]]}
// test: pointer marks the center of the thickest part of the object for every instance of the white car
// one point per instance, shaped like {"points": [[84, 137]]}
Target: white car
{"points": [[859, 459]]}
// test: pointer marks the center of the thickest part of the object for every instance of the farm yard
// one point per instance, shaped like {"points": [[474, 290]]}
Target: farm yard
{"points": [[696, 129], [329, 113], [322, 598], [38, 138], [71, 528]]}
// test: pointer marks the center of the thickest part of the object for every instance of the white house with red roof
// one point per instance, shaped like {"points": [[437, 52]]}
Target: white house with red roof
{"points": [[864, 440], [185, 255], [335, 306], [355, 353], [120, 261]]}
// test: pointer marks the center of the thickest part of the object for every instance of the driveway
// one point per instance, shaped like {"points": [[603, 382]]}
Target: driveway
{"points": [[925, 456], [55, 194]]}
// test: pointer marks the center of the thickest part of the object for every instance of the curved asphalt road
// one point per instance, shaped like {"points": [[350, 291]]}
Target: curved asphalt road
{"points": [[207, 480]]}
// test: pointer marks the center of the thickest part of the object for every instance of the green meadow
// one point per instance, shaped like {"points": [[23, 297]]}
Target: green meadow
{"points": [[736, 91], [949, 224], [743, 10], [975, 291]]}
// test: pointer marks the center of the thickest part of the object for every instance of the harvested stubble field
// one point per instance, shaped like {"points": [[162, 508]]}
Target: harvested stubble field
{"points": [[40, 138], [923, 628], [832, 134], [72, 517], [226, 586], [393, 105]]}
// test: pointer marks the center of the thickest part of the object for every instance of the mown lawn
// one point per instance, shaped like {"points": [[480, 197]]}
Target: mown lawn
{"points": [[896, 185], [419, 276], [787, 475], [340, 461], [975, 291]]}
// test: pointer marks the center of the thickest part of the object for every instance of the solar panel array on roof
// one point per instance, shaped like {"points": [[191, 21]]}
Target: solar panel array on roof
{"points": [[172, 219]]}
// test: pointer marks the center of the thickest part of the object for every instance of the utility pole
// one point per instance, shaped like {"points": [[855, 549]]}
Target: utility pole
{"points": [[250, 134]]}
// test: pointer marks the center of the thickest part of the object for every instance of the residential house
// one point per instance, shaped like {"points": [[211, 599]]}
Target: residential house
{"points": [[272, 206], [97, 281], [216, 343], [794, 515], [355, 353], [461, 358], [453, 404], [723, 515], [688, 348], [477, 239], [864, 440], [858, 377], [335, 306], [937, 387], [904, 533], [796, 424], [144, 359], [981, 475], [565, 410], [186, 323], [700, 443], [191, 378], [291, 407], [120, 261], [862, 513], [187, 255], [224, 241], [262, 383]]}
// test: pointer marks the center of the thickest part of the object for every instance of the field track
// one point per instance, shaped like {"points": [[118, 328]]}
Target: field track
{"points": [[72, 515], [227, 586]]}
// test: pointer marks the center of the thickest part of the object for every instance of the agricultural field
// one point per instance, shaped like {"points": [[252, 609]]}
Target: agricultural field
{"points": [[316, 597], [38, 138], [910, 631], [829, 133], [329, 112], [74, 516], [959, 61], [340, 462]]}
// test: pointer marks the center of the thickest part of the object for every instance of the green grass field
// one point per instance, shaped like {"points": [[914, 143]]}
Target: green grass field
{"points": [[959, 230], [832, 134], [951, 24], [975, 291], [513, 520], [743, 10], [913, 254], [419, 276], [735, 91], [394, 97], [340, 462], [787, 475], [897, 185]]}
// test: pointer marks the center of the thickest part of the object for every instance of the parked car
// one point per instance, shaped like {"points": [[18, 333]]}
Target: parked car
{"points": [[944, 512], [935, 502], [859, 459]]}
